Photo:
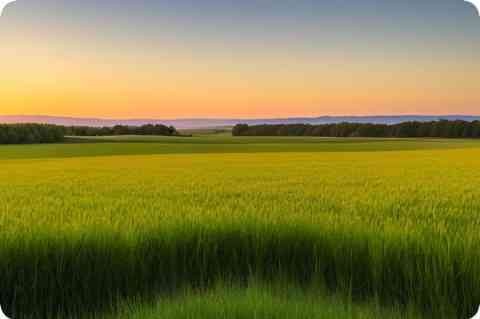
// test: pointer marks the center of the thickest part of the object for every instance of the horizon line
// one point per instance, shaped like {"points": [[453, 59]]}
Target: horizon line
{"points": [[101, 118]]}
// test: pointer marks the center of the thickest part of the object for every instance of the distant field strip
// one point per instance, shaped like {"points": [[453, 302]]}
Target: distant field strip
{"points": [[141, 145], [81, 229]]}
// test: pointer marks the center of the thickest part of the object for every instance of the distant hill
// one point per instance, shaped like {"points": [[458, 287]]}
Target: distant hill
{"points": [[215, 123]]}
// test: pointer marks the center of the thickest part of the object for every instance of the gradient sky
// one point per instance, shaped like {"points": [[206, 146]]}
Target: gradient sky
{"points": [[250, 58]]}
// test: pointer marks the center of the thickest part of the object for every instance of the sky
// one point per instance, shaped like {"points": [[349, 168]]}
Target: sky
{"points": [[250, 58]]}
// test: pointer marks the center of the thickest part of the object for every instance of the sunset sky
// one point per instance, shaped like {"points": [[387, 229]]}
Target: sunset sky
{"points": [[250, 58]]}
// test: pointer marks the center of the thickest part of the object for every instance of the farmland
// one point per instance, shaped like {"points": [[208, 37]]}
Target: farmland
{"points": [[91, 223], [253, 302]]}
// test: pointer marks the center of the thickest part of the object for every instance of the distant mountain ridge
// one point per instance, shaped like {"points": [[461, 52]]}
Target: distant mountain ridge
{"points": [[216, 123]]}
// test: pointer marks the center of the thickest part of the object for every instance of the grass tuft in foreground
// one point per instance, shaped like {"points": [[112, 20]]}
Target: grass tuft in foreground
{"points": [[258, 302]]}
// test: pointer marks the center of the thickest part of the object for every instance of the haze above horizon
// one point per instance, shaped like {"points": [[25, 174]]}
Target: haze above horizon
{"points": [[201, 123]]}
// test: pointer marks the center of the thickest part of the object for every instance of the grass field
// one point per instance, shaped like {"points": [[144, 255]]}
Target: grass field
{"points": [[145, 145], [84, 225], [253, 302]]}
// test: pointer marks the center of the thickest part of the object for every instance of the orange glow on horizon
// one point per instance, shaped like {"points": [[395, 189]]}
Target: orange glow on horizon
{"points": [[178, 83]]}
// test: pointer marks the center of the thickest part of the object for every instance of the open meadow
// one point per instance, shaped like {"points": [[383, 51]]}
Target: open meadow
{"points": [[92, 223]]}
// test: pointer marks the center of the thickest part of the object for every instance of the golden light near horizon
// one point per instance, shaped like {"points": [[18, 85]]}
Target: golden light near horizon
{"points": [[59, 67]]}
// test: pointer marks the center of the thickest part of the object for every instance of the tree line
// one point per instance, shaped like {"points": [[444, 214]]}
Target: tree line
{"points": [[46, 133], [439, 129], [31, 133], [148, 129]]}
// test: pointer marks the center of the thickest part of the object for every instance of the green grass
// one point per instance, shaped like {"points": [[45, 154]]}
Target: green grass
{"points": [[252, 302], [83, 225], [151, 145], [217, 132]]}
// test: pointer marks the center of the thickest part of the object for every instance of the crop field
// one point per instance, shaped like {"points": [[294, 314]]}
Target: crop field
{"points": [[253, 302], [91, 224]]}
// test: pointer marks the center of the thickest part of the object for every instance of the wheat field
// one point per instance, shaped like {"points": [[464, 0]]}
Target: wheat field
{"points": [[85, 226]]}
